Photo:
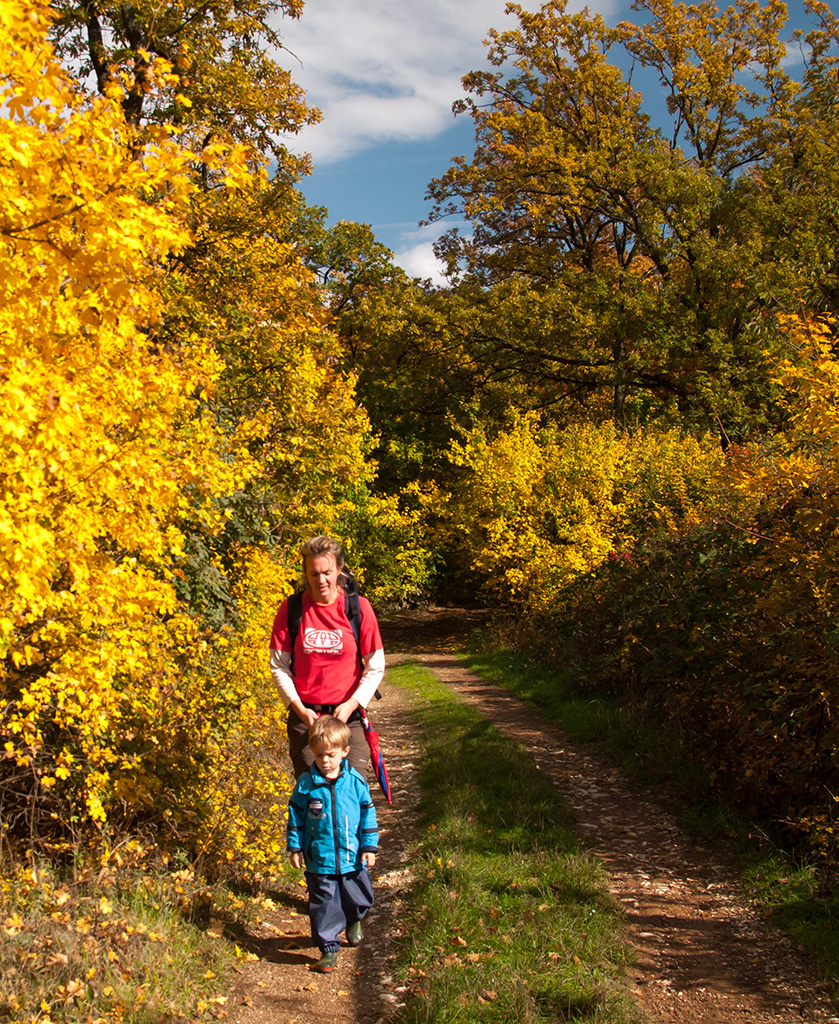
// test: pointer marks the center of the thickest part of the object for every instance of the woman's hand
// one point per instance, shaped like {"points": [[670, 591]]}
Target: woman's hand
{"points": [[368, 859], [343, 711], [306, 715], [296, 859]]}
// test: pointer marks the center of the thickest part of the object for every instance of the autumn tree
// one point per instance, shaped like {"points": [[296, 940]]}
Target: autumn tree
{"points": [[105, 441], [798, 189], [173, 418], [619, 241], [241, 283], [731, 625], [224, 82], [539, 507]]}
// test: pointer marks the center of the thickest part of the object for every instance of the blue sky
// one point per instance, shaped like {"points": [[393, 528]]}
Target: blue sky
{"points": [[385, 74]]}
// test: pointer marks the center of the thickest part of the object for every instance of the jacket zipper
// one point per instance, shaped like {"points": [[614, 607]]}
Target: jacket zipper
{"points": [[335, 828]]}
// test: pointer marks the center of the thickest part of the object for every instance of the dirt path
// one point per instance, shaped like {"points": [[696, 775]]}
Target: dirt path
{"points": [[704, 955], [279, 987]]}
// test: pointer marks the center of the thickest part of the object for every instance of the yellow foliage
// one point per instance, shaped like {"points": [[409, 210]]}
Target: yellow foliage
{"points": [[794, 479], [145, 402], [540, 506], [244, 287], [104, 450], [807, 455], [246, 779]]}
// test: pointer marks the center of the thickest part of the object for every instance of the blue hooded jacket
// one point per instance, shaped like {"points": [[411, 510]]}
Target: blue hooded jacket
{"points": [[332, 821]]}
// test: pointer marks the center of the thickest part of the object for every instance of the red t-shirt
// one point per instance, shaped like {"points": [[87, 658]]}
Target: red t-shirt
{"points": [[326, 663]]}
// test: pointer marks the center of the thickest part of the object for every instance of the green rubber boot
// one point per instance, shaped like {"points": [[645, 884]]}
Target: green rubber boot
{"points": [[328, 962]]}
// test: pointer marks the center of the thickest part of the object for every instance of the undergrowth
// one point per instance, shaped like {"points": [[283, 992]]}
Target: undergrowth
{"points": [[136, 941], [510, 918]]}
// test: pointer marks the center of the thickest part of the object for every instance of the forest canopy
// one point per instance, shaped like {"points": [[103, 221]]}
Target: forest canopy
{"points": [[626, 388], [635, 246]]}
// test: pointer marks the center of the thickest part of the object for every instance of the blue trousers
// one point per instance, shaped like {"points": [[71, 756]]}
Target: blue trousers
{"points": [[335, 902]]}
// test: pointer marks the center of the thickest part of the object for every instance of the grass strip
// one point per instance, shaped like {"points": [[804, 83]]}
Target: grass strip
{"points": [[510, 917], [800, 898]]}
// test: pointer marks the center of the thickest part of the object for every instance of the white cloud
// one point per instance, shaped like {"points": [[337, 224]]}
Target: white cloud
{"points": [[419, 261], [382, 70], [415, 251]]}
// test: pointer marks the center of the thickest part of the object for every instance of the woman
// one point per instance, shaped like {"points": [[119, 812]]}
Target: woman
{"points": [[326, 673]]}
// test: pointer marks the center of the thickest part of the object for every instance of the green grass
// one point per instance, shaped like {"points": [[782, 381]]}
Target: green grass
{"points": [[797, 895], [510, 918], [798, 903]]}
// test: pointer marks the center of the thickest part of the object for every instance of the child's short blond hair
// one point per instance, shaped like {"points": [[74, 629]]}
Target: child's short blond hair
{"points": [[331, 732]]}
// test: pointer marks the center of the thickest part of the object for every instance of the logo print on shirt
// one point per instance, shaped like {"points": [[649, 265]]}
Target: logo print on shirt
{"points": [[323, 640]]}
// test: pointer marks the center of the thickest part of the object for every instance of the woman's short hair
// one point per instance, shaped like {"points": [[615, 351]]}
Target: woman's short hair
{"points": [[331, 732], [314, 547]]}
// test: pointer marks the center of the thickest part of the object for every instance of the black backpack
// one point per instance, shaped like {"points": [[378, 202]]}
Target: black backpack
{"points": [[352, 609]]}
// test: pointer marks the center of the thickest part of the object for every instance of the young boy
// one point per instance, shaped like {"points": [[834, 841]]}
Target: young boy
{"points": [[332, 827]]}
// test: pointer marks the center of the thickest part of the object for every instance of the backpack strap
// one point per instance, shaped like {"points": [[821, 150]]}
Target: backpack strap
{"points": [[295, 618], [352, 607]]}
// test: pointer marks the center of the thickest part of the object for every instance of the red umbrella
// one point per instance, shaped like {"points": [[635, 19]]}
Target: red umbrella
{"points": [[376, 756]]}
